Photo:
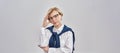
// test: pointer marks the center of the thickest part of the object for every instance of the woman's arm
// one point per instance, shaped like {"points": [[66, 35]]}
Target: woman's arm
{"points": [[43, 35]]}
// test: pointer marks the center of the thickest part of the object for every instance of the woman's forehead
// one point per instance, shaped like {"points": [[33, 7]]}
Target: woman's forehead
{"points": [[53, 13]]}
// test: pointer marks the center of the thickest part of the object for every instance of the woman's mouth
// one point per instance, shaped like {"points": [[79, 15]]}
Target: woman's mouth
{"points": [[54, 22]]}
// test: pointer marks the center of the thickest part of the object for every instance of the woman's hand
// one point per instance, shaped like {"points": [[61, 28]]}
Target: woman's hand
{"points": [[44, 48], [45, 21]]}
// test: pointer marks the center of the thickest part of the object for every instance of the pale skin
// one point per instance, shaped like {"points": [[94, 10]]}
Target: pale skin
{"points": [[55, 20]]}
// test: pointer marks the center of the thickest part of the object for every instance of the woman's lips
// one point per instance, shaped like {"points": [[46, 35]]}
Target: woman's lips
{"points": [[54, 22]]}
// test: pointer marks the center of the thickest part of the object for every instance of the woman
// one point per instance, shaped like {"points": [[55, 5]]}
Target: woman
{"points": [[57, 38]]}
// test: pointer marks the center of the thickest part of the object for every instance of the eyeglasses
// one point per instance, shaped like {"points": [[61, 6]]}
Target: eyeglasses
{"points": [[55, 16]]}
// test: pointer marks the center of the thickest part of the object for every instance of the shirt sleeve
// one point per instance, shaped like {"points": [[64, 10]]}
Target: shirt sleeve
{"points": [[68, 47], [43, 37], [68, 44]]}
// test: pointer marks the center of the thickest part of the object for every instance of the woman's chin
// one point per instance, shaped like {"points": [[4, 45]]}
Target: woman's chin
{"points": [[55, 24]]}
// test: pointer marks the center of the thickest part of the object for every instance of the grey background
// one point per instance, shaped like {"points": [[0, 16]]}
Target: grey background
{"points": [[96, 24]]}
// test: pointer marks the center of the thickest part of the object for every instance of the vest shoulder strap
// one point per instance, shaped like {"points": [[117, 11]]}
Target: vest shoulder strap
{"points": [[50, 29]]}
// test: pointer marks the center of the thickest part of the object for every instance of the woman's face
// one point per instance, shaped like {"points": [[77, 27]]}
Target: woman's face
{"points": [[55, 18]]}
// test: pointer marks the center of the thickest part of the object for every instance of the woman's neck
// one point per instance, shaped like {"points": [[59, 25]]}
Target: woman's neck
{"points": [[58, 26]]}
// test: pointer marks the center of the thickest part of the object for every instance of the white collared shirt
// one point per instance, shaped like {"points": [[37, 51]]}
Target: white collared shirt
{"points": [[66, 40]]}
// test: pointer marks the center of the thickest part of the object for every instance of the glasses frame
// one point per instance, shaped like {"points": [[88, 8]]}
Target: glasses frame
{"points": [[55, 16]]}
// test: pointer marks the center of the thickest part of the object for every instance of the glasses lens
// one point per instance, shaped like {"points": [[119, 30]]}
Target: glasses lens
{"points": [[56, 15], [53, 17], [49, 18]]}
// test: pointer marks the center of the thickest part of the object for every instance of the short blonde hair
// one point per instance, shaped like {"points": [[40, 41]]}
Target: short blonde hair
{"points": [[54, 9]]}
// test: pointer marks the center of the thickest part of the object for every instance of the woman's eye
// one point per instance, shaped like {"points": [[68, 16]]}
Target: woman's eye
{"points": [[48, 18], [56, 15]]}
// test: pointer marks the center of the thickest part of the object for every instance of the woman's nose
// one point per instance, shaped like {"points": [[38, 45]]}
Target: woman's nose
{"points": [[53, 18]]}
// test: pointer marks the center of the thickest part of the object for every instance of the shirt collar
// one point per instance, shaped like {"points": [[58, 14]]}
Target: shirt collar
{"points": [[59, 29]]}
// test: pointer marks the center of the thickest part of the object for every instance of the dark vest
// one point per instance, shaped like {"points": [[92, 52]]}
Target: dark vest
{"points": [[54, 41]]}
